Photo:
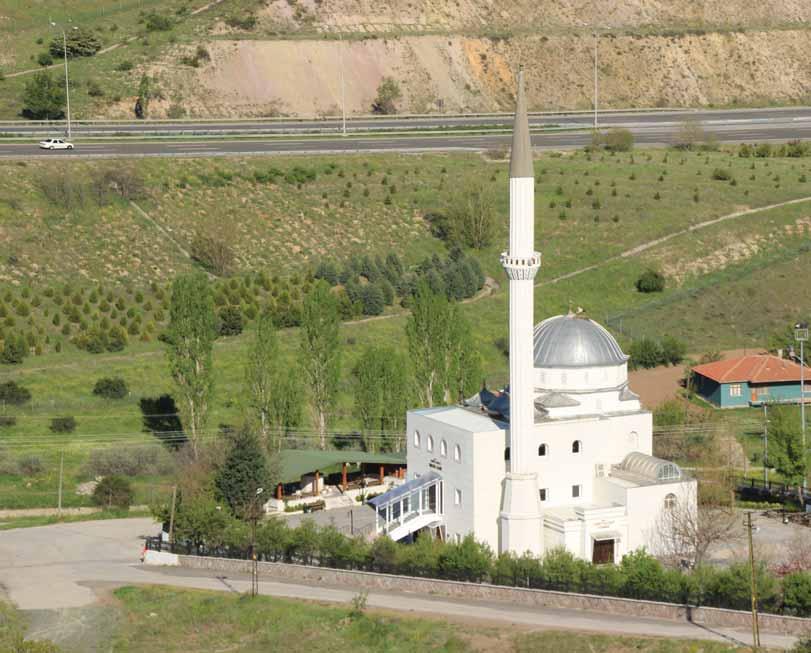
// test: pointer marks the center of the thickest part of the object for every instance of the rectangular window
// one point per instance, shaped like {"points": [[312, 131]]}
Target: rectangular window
{"points": [[542, 492], [735, 390], [457, 497], [576, 490], [762, 390]]}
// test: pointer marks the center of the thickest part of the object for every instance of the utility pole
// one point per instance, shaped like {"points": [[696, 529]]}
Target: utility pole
{"points": [[343, 87], [172, 518], [254, 561], [766, 444], [61, 476], [801, 335], [596, 41], [755, 625]]}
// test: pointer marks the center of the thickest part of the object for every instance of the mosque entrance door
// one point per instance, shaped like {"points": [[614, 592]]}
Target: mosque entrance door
{"points": [[603, 552]]}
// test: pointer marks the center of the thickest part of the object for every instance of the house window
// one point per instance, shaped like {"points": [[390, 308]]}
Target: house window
{"points": [[416, 438], [670, 501], [443, 448], [457, 497], [457, 453], [430, 443], [762, 390], [576, 446], [542, 450], [735, 390], [576, 491], [542, 493]]}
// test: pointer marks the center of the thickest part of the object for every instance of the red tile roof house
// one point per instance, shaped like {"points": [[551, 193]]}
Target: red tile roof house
{"points": [[751, 381]]}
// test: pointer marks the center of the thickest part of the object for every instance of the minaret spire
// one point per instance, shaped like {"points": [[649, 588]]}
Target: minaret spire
{"points": [[521, 519]]}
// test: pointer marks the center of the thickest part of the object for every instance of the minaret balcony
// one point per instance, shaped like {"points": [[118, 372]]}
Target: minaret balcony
{"points": [[521, 267]]}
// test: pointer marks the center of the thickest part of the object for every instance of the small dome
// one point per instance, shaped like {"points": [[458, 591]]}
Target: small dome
{"points": [[571, 341]]}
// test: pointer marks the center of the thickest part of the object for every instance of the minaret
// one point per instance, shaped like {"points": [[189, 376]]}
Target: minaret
{"points": [[521, 520]]}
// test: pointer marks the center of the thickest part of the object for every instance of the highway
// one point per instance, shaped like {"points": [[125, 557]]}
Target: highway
{"points": [[649, 129], [68, 565]]}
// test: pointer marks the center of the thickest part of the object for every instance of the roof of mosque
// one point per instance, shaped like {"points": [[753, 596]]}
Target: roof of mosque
{"points": [[572, 341]]}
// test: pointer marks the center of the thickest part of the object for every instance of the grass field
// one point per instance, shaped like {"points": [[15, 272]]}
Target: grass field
{"points": [[206, 621], [736, 279]]}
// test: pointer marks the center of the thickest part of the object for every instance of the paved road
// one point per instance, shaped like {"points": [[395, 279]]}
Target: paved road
{"points": [[658, 135], [279, 126], [55, 567]]}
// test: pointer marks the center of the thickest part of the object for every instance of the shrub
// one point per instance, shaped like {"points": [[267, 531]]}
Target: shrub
{"points": [[78, 43], [45, 59], [247, 22], [7, 420], [721, 174], [673, 350], [797, 594], [231, 322], [645, 352], [159, 23], [29, 465], [388, 94], [650, 281], [213, 253], [63, 424], [124, 66], [113, 491], [128, 461], [614, 140], [175, 111], [111, 388], [14, 394], [94, 89]]}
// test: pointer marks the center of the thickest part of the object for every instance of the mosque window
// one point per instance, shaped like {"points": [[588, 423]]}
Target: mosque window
{"points": [[670, 501], [577, 490], [416, 438], [430, 443], [542, 492], [457, 453], [542, 450], [577, 446], [443, 448], [507, 453], [457, 497]]}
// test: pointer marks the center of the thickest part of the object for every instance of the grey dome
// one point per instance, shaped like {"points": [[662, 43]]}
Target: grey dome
{"points": [[571, 341]]}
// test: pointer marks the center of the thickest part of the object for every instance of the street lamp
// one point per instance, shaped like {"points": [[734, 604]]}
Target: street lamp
{"points": [[801, 336], [254, 562], [67, 88], [596, 43]]}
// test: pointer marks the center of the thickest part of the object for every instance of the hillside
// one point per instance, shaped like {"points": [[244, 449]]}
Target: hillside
{"points": [[283, 57]]}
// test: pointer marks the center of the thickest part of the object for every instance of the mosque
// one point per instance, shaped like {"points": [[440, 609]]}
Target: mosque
{"points": [[562, 457]]}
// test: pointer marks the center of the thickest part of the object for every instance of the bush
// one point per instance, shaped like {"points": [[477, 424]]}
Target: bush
{"points": [[14, 350], [94, 89], [614, 140], [124, 66], [159, 23], [645, 352], [673, 350], [128, 461], [213, 254], [29, 465], [78, 43], [231, 322], [45, 59], [63, 424], [247, 22], [113, 491], [388, 94], [7, 420], [721, 174], [650, 281], [14, 394], [111, 388], [175, 111], [797, 594]]}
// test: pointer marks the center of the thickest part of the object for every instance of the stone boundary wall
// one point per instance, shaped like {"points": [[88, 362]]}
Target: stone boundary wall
{"points": [[714, 617]]}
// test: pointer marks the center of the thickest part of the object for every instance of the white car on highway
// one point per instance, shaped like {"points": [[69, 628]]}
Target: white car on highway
{"points": [[55, 144]]}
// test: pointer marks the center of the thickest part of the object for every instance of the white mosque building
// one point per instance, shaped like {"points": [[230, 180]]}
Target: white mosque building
{"points": [[563, 456]]}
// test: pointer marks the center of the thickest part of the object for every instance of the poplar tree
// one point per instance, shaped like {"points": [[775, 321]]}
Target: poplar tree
{"points": [[786, 447], [190, 336], [261, 372], [320, 354], [380, 389]]}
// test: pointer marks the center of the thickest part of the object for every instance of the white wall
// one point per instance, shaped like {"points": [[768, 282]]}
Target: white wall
{"points": [[645, 506]]}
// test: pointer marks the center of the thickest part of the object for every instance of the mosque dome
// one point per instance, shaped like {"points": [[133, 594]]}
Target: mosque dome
{"points": [[570, 341]]}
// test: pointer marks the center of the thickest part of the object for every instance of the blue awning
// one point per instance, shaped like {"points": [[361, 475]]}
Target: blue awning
{"points": [[395, 494]]}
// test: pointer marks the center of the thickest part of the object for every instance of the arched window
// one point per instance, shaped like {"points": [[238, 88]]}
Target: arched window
{"points": [[507, 453], [443, 448], [457, 453], [670, 501], [542, 450], [576, 446], [430, 444], [416, 438]]}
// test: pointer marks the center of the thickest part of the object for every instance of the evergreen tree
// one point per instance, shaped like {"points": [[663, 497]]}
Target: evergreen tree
{"points": [[43, 98], [14, 350], [372, 299], [320, 353], [243, 472], [190, 338]]}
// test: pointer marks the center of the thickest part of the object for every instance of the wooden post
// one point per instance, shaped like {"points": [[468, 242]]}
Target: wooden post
{"points": [[172, 518], [755, 625], [343, 476], [382, 473], [61, 477], [315, 484], [279, 492]]}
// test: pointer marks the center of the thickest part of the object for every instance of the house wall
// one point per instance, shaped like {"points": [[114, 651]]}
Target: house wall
{"points": [[709, 389], [778, 392]]}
